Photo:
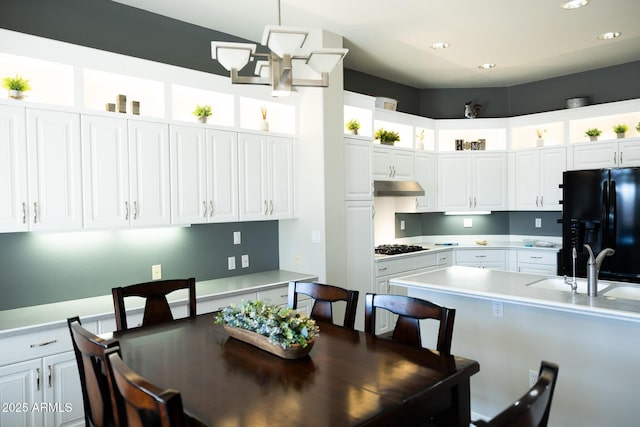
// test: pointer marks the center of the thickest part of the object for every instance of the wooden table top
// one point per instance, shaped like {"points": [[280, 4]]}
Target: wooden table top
{"points": [[349, 378]]}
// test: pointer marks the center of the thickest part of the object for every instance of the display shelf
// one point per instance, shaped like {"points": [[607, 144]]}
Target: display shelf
{"points": [[527, 136], [281, 117], [184, 100], [578, 127], [362, 115], [102, 87], [493, 131], [404, 131], [51, 82]]}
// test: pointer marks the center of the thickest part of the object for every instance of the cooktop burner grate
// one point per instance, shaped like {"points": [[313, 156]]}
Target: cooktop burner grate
{"points": [[397, 249]]}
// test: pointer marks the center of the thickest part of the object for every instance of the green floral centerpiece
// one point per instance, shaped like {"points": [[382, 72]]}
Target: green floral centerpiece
{"points": [[281, 328]]}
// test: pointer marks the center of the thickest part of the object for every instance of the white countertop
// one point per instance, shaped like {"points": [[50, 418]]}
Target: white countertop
{"points": [[54, 315], [512, 287]]}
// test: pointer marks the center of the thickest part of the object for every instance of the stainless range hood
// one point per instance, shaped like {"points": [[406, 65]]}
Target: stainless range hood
{"points": [[397, 189]]}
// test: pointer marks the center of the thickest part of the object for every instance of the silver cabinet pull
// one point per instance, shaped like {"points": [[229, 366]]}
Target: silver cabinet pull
{"points": [[470, 202], [542, 201], [38, 379], [614, 158], [270, 207], [204, 208], [390, 171], [49, 375], [537, 201], [135, 209], [475, 202], [24, 212], [126, 211], [42, 344], [211, 210], [35, 212], [621, 158], [266, 207], [480, 256]]}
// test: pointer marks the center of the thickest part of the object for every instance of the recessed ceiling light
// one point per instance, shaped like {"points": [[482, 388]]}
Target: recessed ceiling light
{"points": [[440, 45], [573, 4], [610, 35], [486, 66]]}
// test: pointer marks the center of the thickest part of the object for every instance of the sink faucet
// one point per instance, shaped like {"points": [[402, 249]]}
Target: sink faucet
{"points": [[593, 268], [572, 282]]}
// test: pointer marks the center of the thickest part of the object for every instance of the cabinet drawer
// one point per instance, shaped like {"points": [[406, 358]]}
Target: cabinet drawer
{"points": [[444, 259], [37, 344], [480, 255], [425, 261], [276, 296], [537, 257], [211, 305]]}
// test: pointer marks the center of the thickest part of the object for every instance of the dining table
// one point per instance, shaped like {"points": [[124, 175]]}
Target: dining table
{"points": [[349, 378]]}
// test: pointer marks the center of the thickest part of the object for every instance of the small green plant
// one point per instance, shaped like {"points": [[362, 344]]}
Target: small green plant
{"points": [[353, 125], [203, 111], [16, 83], [638, 127], [620, 128], [387, 137], [593, 132]]}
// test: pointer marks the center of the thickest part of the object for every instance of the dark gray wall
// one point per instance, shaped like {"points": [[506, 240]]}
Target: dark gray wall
{"points": [[497, 223], [44, 268]]}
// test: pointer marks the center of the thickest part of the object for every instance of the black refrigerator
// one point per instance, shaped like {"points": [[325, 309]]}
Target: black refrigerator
{"points": [[601, 207]]}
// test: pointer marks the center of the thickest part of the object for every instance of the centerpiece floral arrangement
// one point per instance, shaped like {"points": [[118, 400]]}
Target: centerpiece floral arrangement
{"points": [[283, 326]]}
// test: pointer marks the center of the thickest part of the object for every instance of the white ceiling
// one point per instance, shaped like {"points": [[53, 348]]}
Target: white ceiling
{"points": [[527, 40]]}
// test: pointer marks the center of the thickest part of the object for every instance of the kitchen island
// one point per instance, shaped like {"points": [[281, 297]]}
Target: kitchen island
{"points": [[508, 325]]}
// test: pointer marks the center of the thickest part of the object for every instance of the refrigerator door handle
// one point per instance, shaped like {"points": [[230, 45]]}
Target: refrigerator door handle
{"points": [[605, 213], [612, 217]]}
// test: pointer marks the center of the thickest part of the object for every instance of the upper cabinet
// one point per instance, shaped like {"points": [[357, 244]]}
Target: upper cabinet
{"points": [[538, 175], [611, 154], [14, 196], [425, 172], [358, 183], [392, 164]]}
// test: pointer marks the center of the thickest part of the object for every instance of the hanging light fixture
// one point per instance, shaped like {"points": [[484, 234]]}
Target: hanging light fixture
{"points": [[276, 67]]}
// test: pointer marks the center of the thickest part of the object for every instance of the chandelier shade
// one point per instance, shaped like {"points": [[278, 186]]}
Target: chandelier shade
{"points": [[232, 55]]}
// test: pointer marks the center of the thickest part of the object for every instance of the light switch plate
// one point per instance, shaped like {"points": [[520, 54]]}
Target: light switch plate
{"points": [[156, 272], [237, 238], [245, 261], [467, 222], [538, 222], [231, 262]]}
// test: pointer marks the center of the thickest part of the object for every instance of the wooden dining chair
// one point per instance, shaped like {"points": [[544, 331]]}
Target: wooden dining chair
{"points": [[532, 409], [324, 296], [410, 311], [145, 404], [156, 309], [95, 380]]}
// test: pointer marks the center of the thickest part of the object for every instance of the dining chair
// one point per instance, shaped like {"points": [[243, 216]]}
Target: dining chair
{"points": [[410, 311], [156, 309], [532, 409], [145, 404], [324, 296], [95, 380]]}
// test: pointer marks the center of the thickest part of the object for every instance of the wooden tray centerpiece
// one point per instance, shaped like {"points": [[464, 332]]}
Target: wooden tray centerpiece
{"points": [[283, 332]]}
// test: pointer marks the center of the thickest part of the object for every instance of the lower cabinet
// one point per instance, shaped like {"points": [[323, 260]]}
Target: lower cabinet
{"points": [[537, 262], [493, 259]]}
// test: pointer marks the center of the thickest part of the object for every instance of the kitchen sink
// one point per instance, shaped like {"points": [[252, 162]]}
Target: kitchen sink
{"points": [[558, 284], [624, 292]]}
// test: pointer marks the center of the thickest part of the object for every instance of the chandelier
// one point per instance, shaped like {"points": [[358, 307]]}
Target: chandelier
{"points": [[276, 68]]}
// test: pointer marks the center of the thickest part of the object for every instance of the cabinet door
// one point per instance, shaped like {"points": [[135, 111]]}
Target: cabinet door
{"points": [[359, 252], [527, 175], [490, 182], [105, 166], [254, 197], [222, 176], [629, 154], [14, 201], [280, 178], [62, 391], [188, 175], [425, 172], [552, 163], [381, 164], [149, 173], [595, 156], [453, 181], [54, 164], [20, 389], [402, 164], [358, 184]]}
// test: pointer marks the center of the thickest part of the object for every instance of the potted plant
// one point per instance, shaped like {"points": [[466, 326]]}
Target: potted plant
{"points": [[620, 130], [352, 126], [16, 86], [203, 112], [638, 127], [387, 137], [593, 133]]}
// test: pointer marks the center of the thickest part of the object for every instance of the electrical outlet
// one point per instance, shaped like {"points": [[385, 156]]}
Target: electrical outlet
{"points": [[245, 261], [231, 263], [402, 224], [533, 377], [498, 309], [297, 259], [237, 238], [156, 272], [538, 222], [467, 222]]}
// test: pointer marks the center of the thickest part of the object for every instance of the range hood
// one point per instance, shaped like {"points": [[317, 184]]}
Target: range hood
{"points": [[397, 189]]}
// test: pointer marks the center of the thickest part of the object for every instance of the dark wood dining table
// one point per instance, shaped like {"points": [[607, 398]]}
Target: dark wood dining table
{"points": [[348, 378]]}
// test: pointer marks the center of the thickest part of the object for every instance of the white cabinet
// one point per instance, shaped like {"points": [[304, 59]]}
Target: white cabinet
{"points": [[14, 199], [474, 181], [606, 155], [125, 172], [537, 262], [538, 175], [358, 183], [395, 164], [265, 177], [204, 175], [359, 252], [20, 388], [425, 172], [493, 259], [54, 171]]}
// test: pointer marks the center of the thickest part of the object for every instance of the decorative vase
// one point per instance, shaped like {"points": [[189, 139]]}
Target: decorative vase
{"points": [[540, 142], [296, 351], [353, 131], [264, 125], [593, 138], [620, 135], [202, 119], [16, 94]]}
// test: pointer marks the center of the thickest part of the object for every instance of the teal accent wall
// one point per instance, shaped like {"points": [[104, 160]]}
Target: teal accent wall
{"points": [[44, 268]]}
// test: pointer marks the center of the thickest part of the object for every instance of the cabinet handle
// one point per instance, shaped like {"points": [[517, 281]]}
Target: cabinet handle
{"points": [[390, 172], [37, 379], [266, 208], [135, 209], [211, 208], [416, 203], [621, 158], [35, 212], [24, 212], [270, 207], [49, 375], [42, 344], [535, 257], [537, 201], [475, 202], [394, 171], [204, 208], [126, 211], [542, 201], [470, 202], [383, 269], [614, 158], [480, 256]]}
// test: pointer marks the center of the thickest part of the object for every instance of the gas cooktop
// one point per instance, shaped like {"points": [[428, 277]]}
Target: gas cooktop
{"points": [[397, 249]]}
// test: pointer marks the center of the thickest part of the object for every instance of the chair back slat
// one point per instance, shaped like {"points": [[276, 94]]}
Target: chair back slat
{"points": [[324, 295]]}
